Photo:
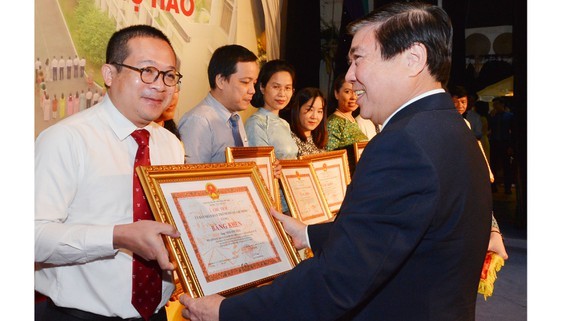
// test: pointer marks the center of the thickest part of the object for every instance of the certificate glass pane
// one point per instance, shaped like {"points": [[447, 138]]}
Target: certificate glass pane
{"points": [[263, 157], [229, 241], [333, 173], [303, 192]]}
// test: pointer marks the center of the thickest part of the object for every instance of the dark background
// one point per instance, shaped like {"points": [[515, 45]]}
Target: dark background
{"points": [[302, 47]]}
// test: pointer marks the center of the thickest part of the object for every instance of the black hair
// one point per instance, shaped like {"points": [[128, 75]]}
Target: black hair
{"points": [[224, 61], [117, 48], [337, 85], [301, 97], [400, 25], [171, 126], [457, 91], [267, 71]]}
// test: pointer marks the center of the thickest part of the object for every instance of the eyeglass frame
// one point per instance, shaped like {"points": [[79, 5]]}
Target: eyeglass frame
{"points": [[290, 90], [141, 70]]}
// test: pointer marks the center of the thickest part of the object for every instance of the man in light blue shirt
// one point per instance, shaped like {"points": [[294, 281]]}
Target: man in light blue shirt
{"points": [[206, 129]]}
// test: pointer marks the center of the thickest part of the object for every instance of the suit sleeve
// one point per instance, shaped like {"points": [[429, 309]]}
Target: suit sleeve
{"points": [[387, 210]]}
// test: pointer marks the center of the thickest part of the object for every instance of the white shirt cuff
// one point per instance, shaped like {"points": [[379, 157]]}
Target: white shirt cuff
{"points": [[307, 236]]}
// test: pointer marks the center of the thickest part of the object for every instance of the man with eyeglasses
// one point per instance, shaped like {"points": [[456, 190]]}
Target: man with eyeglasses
{"points": [[93, 229], [214, 124]]}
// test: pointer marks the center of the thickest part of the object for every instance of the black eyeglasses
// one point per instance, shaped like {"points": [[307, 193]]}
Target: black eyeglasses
{"points": [[150, 74]]}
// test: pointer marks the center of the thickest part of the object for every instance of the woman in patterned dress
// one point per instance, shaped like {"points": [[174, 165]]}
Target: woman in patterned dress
{"points": [[342, 128], [308, 121]]}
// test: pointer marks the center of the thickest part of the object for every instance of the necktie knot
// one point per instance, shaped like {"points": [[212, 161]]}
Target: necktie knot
{"points": [[234, 120], [141, 136]]}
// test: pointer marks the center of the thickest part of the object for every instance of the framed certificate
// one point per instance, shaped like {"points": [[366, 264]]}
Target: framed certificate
{"points": [[358, 148], [303, 192], [333, 174], [229, 240], [264, 157]]}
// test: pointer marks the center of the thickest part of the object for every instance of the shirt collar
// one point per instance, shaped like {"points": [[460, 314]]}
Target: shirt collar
{"points": [[121, 125], [218, 107], [266, 112]]}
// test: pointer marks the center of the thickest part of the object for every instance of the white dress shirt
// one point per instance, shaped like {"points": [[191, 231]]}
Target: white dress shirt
{"points": [[366, 126], [83, 188]]}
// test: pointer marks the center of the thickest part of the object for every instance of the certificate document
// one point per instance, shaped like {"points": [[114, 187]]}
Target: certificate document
{"points": [[227, 239], [263, 157], [332, 183], [264, 169], [303, 192], [305, 196], [333, 173]]}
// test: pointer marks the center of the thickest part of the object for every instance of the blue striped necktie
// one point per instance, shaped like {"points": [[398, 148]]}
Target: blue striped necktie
{"points": [[234, 119]]}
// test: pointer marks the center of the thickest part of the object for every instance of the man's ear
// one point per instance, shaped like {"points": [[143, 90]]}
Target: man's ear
{"points": [[220, 81], [108, 71], [416, 58]]}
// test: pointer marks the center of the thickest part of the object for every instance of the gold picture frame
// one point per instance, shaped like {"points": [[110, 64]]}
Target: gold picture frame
{"points": [[334, 175], [303, 192], [229, 241], [358, 149], [264, 157]]}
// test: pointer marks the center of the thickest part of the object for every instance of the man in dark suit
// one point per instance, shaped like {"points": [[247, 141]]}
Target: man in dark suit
{"points": [[411, 235]]}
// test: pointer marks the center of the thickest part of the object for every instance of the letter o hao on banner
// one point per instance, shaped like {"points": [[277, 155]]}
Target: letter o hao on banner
{"points": [[177, 6]]}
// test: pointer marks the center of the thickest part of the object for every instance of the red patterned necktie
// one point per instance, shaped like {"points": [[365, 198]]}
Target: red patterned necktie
{"points": [[147, 280]]}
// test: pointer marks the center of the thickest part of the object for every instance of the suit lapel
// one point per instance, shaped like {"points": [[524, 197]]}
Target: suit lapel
{"points": [[439, 101]]}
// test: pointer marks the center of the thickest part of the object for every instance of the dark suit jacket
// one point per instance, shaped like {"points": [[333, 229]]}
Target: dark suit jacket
{"points": [[409, 240]]}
